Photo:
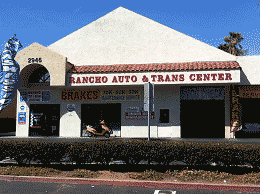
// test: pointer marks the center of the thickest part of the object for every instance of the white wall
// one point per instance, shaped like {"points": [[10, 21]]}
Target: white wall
{"points": [[124, 37], [166, 96], [250, 69], [70, 122]]}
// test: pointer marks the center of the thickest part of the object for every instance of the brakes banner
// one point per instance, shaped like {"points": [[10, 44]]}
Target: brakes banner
{"points": [[191, 77]]}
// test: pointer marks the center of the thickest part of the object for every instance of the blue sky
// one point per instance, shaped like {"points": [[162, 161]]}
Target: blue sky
{"points": [[47, 21]]}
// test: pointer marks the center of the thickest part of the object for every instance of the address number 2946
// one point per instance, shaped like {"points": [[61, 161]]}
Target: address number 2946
{"points": [[34, 60]]}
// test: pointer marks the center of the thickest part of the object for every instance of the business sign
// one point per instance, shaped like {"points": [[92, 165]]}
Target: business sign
{"points": [[21, 118], [190, 77], [148, 96], [202, 93], [22, 108], [136, 113], [78, 95], [71, 107], [249, 92], [35, 96]]}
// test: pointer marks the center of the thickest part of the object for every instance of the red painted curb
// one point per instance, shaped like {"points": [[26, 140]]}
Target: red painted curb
{"points": [[137, 183]]}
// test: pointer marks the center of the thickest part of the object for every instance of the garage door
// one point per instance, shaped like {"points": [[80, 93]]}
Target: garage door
{"points": [[202, 112]]}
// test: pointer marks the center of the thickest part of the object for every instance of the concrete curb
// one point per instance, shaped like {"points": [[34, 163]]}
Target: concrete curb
{"points": [[133, 183]]}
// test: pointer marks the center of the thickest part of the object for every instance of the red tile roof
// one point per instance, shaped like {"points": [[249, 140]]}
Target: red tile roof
{"points": [[187, 66]]}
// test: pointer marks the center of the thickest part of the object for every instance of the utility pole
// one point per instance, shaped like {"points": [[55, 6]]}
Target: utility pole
{"points": [[148, 102]]}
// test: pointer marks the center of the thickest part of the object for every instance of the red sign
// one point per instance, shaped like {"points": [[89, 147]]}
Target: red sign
{"points": [[80, 95]]}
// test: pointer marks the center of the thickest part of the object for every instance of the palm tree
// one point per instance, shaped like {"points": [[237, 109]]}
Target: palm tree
{"points": [[231, 42]]}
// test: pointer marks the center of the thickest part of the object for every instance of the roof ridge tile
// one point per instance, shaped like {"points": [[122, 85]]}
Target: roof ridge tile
{"points": [[184, 66]]}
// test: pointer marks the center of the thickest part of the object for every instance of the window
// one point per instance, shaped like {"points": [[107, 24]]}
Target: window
{"points": [[164, 116], [45, 78], [40, 75]]}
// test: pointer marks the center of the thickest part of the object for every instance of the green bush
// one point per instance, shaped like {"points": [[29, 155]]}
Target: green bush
{"points": [[131, 151]]}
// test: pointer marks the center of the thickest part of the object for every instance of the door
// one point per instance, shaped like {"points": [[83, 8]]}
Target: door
{"points": [[202, 119], [44, 120], [250, 118]]}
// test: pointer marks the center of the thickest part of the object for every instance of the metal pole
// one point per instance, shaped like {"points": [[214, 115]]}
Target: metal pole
{"points": [[148, 111]]}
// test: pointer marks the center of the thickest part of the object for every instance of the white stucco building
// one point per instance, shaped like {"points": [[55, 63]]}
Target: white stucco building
{"points": [[99, 71]]}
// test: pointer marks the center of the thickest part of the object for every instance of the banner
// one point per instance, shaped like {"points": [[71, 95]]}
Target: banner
{"points": [[9, 72]]}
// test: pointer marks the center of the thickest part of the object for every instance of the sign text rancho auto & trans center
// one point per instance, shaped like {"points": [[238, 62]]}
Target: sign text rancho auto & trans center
{"points": [[229, 76]]}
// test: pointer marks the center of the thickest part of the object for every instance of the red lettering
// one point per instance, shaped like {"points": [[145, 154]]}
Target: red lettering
{"points": [[174, 78], [228, 76], [89, 95], [91, 80], [104, 79], [84, 95], [220, 76], [160, 78], [114, 80], [78, 80], [70, 96], [134, 78], [127, 78], [167, 79], [153, 77], [191, 77], [81, 96], [206, 77], [181, 77], [199, 77], [85, 80], [121, 78], [64, 95], [95, 93], [214, 76], [98, 80], [77, 97], [72, 80]]}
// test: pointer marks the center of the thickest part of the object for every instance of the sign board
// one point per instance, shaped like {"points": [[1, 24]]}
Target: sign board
{"points": [[78, 95], [136, 113], [22, 108], [249, 92], [202, 93], [71, 107], [21, 118], [190, 77], [148, 96], [35, 96]]}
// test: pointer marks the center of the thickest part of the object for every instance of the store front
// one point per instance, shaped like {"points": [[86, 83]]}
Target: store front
{"points": [[202, 112], [116, 94], [87, 84]]}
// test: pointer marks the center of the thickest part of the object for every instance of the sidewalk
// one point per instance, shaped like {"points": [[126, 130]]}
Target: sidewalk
{"points": [[135, 183]]}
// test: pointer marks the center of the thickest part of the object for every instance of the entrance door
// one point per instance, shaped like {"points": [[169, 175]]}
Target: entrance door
{"points": [[91, 114], [250, 118], [202, 119], [44, 120]]}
